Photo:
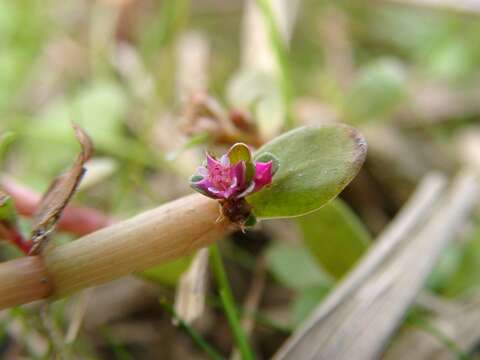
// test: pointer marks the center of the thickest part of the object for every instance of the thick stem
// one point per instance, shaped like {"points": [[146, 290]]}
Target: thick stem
{"points": [[151, 238], [22, 281]]}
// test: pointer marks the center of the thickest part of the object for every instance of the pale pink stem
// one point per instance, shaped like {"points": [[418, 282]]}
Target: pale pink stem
{"points": [[78, 220]]}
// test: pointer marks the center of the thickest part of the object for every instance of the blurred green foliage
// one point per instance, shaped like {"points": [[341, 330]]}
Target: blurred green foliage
{"points": [[44, 85], [335, 236]]}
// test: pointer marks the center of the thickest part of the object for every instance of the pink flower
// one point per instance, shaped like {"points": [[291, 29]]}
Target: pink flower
{"points": [[233, 176]]}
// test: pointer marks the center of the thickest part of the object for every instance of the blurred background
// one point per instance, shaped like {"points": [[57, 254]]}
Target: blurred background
{"points": [[156, 82]]}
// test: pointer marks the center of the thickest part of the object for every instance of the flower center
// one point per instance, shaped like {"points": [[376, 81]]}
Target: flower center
{"points": [[220, 177]]}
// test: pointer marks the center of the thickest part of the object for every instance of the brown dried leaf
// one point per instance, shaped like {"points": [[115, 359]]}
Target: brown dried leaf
{"points": [[204, 114], [59, 194]]}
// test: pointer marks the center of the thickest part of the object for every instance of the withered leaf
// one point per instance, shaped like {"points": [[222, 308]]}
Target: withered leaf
{"points": [[8, 223], [59, 194], [192, 289]]}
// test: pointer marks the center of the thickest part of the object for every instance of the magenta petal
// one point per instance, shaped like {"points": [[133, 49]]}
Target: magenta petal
{"points": [[212, 162], [202, 171], [247, 191], [238, 172], [204, 187], [215, 193], [225, 161], [263, 174]]}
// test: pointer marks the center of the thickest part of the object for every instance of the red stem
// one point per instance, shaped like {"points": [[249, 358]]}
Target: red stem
{"points": [[14, 236], [78, 220]]}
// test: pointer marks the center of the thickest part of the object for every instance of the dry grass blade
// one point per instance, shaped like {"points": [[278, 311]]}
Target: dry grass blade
{"points": [[408, 219], [59, 194], [79, 311], [377, 294], [452, 334], [192, 288]]}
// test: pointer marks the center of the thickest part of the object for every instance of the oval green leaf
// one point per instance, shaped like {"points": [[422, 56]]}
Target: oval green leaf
{"points": [[316, 163]]}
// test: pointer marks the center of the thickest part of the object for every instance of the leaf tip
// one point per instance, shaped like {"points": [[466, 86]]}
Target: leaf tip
{"points": [[84, 140]]}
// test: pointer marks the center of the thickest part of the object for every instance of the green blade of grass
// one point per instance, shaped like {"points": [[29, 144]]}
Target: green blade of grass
{"points": [[196, 337], [280, 52], [228, 304]]}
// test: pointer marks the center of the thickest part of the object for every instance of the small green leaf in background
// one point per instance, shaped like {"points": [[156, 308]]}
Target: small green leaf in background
{"points": [[9, 229], [306, 301], [6, 139], [99, 108], [335, 237], [448, 264], [169, 273], [294, 267], [8, 213], [466, 276], [316, 163], [260, 93], [451, 60], [380, 86]]}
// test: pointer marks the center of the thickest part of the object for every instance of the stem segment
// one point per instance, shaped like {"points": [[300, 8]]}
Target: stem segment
{"points": [[156, 236]]}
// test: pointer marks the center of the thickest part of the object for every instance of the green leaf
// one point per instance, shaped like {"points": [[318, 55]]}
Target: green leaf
{"points": [[294, 267], [316, 163], [251, 221], [452, 60], [466, 277], [8, 213], [335, 237], [239, 152], [379, 87], [9, 229], [452, 260], [168, 273], [306, 301], [6, 139], [196, 178]]}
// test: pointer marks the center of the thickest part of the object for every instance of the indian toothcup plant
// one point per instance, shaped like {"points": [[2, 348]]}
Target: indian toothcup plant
{"points": [[231, 178], [294, 174]]}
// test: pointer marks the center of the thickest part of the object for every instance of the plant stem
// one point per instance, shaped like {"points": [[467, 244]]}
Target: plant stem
{"points": [[78, 220], [228, 304], [281, 56], [23, 280], [196, 337], [166, 233]]}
